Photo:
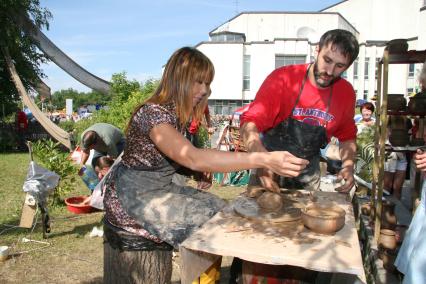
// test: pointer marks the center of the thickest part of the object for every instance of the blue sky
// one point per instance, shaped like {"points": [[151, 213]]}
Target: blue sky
{"points": [[138, 36]]}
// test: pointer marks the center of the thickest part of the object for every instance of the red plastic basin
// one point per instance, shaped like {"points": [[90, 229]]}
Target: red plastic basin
{"points": [[74, 205]]}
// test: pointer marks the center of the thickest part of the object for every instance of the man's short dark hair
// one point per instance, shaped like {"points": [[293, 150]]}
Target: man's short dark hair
{"points": [[89, 138], [344, 40]]}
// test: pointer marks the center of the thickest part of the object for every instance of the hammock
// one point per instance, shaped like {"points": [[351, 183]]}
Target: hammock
{"points": [[62, 60], [58, 133]]}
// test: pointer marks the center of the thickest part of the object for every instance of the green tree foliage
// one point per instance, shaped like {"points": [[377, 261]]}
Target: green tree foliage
{"points": [[126, 96], [26, 56], [79, 98]]}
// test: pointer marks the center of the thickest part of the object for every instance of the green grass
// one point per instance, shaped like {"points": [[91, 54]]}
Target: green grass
{"points": [[72, 256]]}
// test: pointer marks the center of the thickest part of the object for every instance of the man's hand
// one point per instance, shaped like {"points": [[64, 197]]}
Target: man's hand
{"points": [[420, 160], [346, 174], [266, 178]]}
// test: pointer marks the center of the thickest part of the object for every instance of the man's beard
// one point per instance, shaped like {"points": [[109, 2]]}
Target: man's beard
{"points": [[317, 76]]}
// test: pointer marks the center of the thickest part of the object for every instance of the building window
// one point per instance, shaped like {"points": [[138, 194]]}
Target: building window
{"points": [[356, 69], [284, 60], [226, 107], [246, 73], [365, 94], [411, 70], [228, 37], [367, 62], [410, 91]]}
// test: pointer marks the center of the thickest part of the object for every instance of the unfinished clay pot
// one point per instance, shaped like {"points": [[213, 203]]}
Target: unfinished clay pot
{"points": [[417, 141], [417, 103], [270, 201], [396, 102], [254, 191], [398, 45], [388, 259], [399, 137], [387, 239], [400, 231], [366, 209], [389, 220]]}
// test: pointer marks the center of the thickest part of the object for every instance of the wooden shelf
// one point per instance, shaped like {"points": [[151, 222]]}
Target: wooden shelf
{"points": [[405, 113], [411, 56]]}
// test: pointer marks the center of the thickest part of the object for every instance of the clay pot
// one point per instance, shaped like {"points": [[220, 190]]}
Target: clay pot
{"points": [[397, 122], [388, 259], [396, 102], [323, 218], [387, 239], [366, 209], [388, 215], [399, 137], [417, 141], [399, 45], [417, 103], [400, 231]]}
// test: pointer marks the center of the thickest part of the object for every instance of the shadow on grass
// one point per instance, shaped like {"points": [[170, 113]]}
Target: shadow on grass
{"points": [[8, 228], [96, 280]]}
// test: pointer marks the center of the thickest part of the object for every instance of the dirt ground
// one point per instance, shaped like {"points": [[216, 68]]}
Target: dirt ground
{"points": [[69, 254]]}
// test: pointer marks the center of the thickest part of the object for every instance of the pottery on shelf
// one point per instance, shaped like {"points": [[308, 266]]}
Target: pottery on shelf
{"points": [[398, 45], [396, 102], [399, 137], [417, 103], [387, 239]]}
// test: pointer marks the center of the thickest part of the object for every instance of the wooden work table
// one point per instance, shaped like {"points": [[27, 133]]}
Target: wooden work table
{"points": [[288, 243]]}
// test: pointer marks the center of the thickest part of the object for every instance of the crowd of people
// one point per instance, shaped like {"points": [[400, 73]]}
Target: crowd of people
{"points": [[297, 110]]}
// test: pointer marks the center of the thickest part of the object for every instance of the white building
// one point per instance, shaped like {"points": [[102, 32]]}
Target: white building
{"points": [[249, 46]]}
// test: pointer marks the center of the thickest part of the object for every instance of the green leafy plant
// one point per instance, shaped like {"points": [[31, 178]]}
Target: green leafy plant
{"points": [[365, 154], [49, 155], [127, 95]]}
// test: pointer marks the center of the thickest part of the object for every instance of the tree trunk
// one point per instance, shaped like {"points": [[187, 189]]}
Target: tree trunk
{"points": [[137, 266]]}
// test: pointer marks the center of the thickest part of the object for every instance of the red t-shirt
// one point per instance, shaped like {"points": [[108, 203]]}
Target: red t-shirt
{"points": [[277, 97], [193, 127]]}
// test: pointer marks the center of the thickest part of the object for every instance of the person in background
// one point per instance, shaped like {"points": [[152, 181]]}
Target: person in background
{"points": [[299, 107], [411, 258], [140, 196], [102, 166], [105, 139], [204, 180], [21, 121], [366, 119], [195, 125]]}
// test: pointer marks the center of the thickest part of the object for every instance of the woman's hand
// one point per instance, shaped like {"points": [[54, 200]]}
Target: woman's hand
{"points": [[286, 164]]}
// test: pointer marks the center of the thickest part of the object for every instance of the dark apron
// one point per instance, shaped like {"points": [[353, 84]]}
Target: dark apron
{"points": [[302, 140], [163, 208]]}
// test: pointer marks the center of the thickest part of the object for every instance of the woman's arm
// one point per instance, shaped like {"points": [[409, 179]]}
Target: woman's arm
{"points": [[172, 144]]}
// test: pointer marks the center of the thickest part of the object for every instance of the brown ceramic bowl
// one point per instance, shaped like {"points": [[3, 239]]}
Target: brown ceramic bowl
{"points": [[323, 218]]}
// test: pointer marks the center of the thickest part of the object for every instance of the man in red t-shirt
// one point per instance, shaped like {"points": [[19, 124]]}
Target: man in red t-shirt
{"points": [[299, 108]]}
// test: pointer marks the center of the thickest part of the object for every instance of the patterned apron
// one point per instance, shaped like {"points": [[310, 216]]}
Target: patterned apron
{"points": [[167, 210]]}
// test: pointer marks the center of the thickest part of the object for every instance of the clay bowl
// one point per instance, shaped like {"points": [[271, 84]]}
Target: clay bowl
{"points": [[323, 218], [398, 45], [397, 102]]}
